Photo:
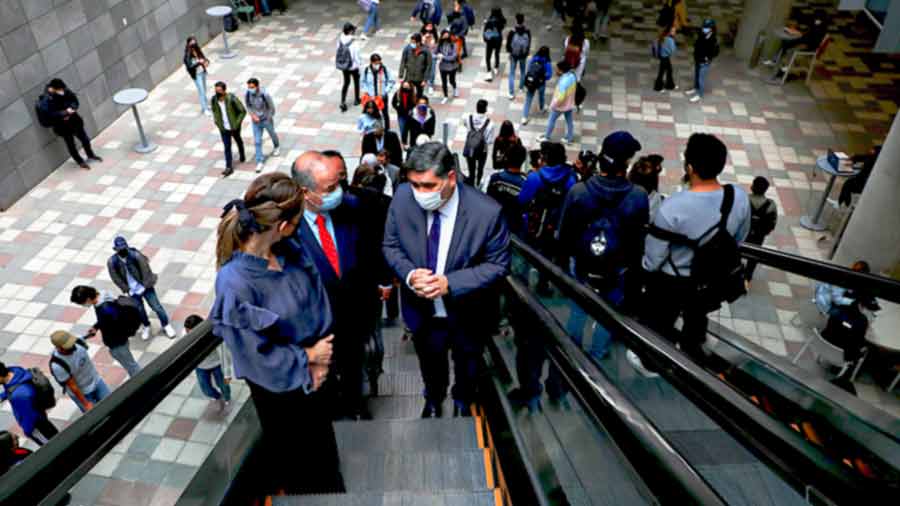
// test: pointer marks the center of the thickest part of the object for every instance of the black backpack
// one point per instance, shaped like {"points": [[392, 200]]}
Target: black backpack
{"points": [[761, 222], [543, 211], [717, 269], [231, 23], [44, 396], [666, 16], [475, 142], [536, 75], [42, 109], [601, 249], [128, 315], [54, 359]]}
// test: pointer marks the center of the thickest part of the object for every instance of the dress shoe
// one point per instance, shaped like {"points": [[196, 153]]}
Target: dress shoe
{"points": [[461, 409]]}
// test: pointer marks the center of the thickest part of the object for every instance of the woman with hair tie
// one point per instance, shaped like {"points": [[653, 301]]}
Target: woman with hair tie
{"points": [[273, 314]]}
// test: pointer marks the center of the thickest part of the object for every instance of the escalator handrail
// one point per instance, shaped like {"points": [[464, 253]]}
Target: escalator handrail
{"points": [[662, 469], [46, 476], [797, 462], [826, 272]]}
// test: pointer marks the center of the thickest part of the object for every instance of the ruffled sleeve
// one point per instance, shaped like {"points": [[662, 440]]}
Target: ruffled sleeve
{"points": [[230, 311]]}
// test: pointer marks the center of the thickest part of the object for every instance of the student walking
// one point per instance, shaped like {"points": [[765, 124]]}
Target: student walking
{"points": [[763, 218], [117, 320], [422, 120], [130, 271], [480, 135], [415, 63], [492, 33], [58, 109], [216, 367], [577, 47], [262, 114], [449, 64], [403, 102], [30, 394], [427, 11], [371, 18], [705, 50], [369, 120], [346, 59], [540, 70], [377, 85], [197, 66], [664, 49], [430, 43], [563, 103], [72, 368], [228, 114], [505, 185], [518, 45], [465, 9]]}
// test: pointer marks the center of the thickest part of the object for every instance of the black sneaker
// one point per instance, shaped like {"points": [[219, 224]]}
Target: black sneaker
{"points": [[343, 107], [228, 171], [84, 165], [95, 158]]}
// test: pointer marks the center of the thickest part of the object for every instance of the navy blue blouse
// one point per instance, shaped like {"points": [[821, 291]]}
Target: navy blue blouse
{"points": [[267, 318]]}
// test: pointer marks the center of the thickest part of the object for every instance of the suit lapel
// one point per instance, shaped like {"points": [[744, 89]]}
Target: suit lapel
{"points": [[458, 230], [315, 251], [343, 240]]}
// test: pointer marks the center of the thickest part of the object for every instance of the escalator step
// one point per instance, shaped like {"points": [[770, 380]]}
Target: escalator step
{"points": [[424, 472], [401, 407], [383, 436], [389, 499]]}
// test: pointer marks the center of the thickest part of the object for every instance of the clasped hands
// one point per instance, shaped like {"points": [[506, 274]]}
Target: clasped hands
{"points": [[319, 356], [428, 285]]}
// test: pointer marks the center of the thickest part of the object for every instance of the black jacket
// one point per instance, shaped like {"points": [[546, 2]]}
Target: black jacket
{"points": [[415, 128], [706, 48], [116, 320], [56, 106], [391, 143], [191, 68]]}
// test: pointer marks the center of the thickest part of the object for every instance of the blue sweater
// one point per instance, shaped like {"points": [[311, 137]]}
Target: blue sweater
{"points": [[667, 48], [22, 399]]}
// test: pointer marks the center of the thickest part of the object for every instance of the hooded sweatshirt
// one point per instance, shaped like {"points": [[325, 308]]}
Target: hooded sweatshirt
{"points": [[22, 399], [552, 175], [354, 49], [604, 196]]}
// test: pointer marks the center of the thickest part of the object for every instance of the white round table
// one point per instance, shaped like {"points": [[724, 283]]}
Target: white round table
{"points": [[132, 97], [814, 222], [220, 11], [885, 332]]}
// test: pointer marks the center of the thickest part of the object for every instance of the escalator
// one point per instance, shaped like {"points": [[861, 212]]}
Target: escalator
{"points": [[734, 429]]}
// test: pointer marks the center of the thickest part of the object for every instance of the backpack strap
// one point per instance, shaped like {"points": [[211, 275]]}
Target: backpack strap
{"points": [[60, 362], [484, 126], [727, 204]]}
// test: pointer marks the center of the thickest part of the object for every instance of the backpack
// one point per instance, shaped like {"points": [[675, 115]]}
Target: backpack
{"points": [[580, 94], [365, 5], [231, 23], [666, 16], [717, 269], [62, 363], [128, 315], [343, 60], [518, 44], [44, 396], [536, 75], [761, 222], [491, 33], [573, 56], [544, 209], [601, 252], [427, 11], [42, 109], [475, 142]]}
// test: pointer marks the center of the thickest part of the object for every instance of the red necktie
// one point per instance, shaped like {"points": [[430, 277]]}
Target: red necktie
{"points": [[328, 245]]}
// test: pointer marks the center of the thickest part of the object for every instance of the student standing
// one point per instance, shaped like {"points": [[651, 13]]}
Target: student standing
{"points": [[430, 43], [403, 103], [72, 368], [449, 64], [706, 48], [563, 102], [415, 63], [480, 135], [117, 320], [346, 59], [381, 139], [665, 50], [540, 70], [505, 186], [505, 141], [272, 312], [130, 271], [645, 173], [197, 66], [518, 45], [58, 108], [228, 114], [26, 400], [763, 218], [492, 33], [377, 85], [215, 367], [262, 113], [422, 120]]}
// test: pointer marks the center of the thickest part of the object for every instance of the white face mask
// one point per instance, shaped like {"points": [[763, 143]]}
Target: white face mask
{"points": [[376, 66], [429, 201]]}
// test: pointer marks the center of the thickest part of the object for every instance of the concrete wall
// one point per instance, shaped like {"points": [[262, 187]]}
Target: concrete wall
{"points": [[87, 44]]}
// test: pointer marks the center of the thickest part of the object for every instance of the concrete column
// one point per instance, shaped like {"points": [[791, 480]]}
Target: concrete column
{"points": [[757, 16], [889, 40], [873, 233]]}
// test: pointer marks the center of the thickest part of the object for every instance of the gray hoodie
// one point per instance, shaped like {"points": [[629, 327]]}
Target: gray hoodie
{"points": [[260, 104]]}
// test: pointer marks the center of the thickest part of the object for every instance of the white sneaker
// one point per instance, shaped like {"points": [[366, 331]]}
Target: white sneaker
{"points": [[768, 63], [511, 96], [695, 98], [429, 91], [455, 92], [567, 142], [363, 37], [145, 333], [444, 100], [690, 91], [207, 113], [542, 138], [259, 167], [276, 151], [170, 332], [524, 121], [497, 71], [549, 27], [490, 77], [638, 365]]}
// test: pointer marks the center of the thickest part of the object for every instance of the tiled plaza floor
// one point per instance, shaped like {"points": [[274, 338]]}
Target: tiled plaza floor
{"points": [[167, 203]]}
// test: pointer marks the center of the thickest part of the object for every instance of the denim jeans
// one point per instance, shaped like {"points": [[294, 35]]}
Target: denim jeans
{"points": [[401, 122], [371, 19], [98, 394], [200, 81], [570, 126], [529, 96], [264, 5], [513, 63], [149, 295], [205, 377], [600, 337], [123, 356], [227, 136], [700, 71], [258, 128]]}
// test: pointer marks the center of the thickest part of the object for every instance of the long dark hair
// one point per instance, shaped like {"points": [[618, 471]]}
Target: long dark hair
{"points": [[193, 50], [507, 130], [577, 37], [442, 41]]}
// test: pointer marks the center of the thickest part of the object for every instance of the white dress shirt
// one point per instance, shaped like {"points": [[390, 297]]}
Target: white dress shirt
{"points": [[448, 222], [223, 107]]}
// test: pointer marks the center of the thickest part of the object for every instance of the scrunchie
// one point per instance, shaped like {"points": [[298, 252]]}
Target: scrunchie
{"points": [[245, 217]]}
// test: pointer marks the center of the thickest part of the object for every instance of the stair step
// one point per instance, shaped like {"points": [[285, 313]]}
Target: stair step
{"points": [[383, 436], [424, 471], [389, 499]]}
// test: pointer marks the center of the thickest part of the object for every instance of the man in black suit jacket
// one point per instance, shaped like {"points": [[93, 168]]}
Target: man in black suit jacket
{"points": [[332, 233], [379, 139], [449, 245]]}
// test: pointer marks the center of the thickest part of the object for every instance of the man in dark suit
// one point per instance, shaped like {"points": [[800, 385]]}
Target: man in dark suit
{"points": [[449, 245], [379, 139], [331, 233]]}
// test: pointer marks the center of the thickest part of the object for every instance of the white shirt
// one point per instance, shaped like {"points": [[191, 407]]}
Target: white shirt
{"points": [[224, 109], [448, 221], [134, 287]]}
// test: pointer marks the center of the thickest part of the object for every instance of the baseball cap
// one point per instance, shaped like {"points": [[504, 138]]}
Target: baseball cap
{"points": [[119, 243], [620, 146], [63, 339]]}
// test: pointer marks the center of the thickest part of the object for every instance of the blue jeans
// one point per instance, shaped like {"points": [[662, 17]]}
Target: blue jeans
{"points": [[401, 123], [150, 296], [98, 394], [513, 63], [700, 71], [264, 5], [570, 126], [600, 338], [371, 19], [123, 356], [258, 128], [200, 81], [529, 96], [205, 378]]}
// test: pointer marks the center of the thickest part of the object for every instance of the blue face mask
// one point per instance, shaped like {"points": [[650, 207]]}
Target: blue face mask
{"points": [[707, 31], [332, 200], [254, 91]]}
